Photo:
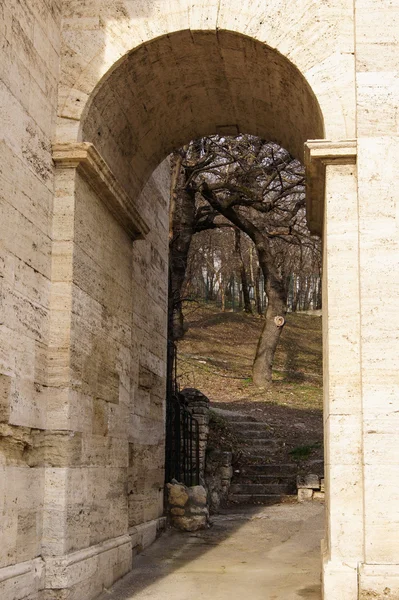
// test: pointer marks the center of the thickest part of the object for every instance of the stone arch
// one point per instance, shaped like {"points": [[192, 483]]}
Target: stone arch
{"points": [[132, 89], [319, 42], [190, 84]]}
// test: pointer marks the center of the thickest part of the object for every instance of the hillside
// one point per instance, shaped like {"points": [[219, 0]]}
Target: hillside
{"points": [[216, 356]]}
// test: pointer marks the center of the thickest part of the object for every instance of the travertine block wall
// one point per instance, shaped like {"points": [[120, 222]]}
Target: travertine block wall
{"points": [[30, 37], [83, 319], [343, 544], [377, 77], [107, 373], [73, 427]]}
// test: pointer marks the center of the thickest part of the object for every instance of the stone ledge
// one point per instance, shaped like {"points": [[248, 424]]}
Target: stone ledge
{"points": [[145, 534], [378, 581], [318, 154], [339, 579], [65, 571], [25, 578], [19, 569], [87, 160]]}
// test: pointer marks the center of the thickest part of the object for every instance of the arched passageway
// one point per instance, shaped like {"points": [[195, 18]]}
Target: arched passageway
{"points": [[190, 84], [160, 95], [83, 336]]}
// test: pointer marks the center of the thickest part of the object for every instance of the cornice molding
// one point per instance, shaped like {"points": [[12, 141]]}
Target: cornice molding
{"points": [[89, 163], [319, 154]]}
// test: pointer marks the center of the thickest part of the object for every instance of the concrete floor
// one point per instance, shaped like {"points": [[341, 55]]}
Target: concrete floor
{"points": [[261, 553]]}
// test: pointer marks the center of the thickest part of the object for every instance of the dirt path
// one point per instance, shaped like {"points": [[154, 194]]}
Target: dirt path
{"points": [[262, 553]]}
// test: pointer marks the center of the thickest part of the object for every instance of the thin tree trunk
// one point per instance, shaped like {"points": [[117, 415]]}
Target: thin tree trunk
{"points": [[178, 254], [243, 273], [294, 293], [223, 296], [309, 292], [258, 299]]}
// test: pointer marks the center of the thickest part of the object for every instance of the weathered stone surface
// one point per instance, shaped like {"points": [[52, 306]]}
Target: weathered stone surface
{"points": [[305, 494], [320, 496], [218, 475], [187, 506], [177, 511], [310, 481], [199, 510], [83, 311], [178, 494], [191, 523], [197, 495]]}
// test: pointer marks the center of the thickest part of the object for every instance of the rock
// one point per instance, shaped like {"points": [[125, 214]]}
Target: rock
{"points": [[197, 495], [193, 523], [177, 494], [178, 512], [215, 500], [305, 494], [226, 472], [310, 481], [199, 510], [318, 496]]}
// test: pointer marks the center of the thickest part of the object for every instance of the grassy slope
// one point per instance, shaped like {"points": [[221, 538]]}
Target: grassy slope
{"points": [[216, 357], [217, 352]]}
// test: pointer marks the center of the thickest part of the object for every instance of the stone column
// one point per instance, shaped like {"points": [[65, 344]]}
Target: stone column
{"points": [[86, 544], [332, 170], [379, 268]]}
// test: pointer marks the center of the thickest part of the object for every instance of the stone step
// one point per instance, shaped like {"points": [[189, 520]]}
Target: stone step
{"points": [[255, 498], [264, 479], [261, 489], [316, 466], [237, 418], [260, 452], [259, 442], [252, 434], [270, 469], [250, 426]]}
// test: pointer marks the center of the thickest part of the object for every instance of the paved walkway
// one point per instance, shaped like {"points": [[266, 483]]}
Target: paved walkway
{"points": [[261, 553]]}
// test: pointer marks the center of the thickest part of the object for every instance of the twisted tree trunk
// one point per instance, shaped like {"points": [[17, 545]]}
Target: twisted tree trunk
{"points": [[268, 340], [275, 289]]}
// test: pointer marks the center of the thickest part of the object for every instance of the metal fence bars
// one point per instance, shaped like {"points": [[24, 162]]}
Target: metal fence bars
{"points": [[182, 443], [182, 452]]}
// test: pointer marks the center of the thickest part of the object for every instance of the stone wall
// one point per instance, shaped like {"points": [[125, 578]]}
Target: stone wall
{"points": [[154, 79], [30, 39], [107, 376], [187, 506], [102, 454], [218, 476], [310, 487]]}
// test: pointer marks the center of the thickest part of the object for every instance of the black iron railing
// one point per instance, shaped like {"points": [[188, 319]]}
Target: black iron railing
{"points": [[182, 432]]}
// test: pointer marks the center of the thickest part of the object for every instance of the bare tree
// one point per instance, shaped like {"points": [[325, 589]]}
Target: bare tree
{"points": [[258, 189]]}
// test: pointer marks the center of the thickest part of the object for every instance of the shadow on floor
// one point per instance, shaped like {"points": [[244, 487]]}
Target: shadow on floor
{"points": [[254, 553]]}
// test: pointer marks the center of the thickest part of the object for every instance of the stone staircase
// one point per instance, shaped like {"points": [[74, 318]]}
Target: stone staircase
{"points": [[261, 477]]}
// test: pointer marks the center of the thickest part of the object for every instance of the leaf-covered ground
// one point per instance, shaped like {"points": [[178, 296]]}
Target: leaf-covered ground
{"points": [[216, 356]]}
